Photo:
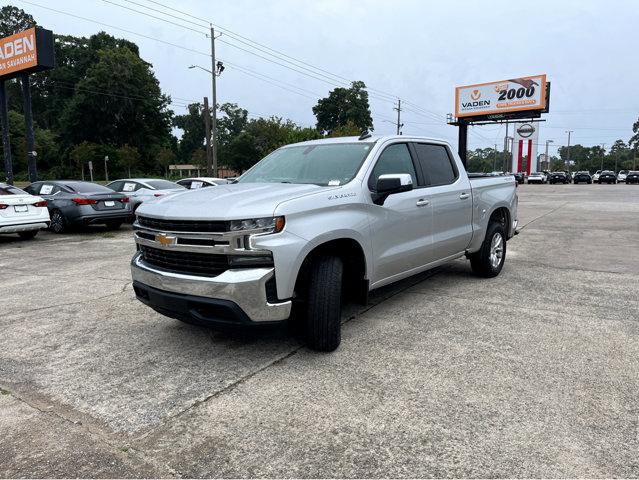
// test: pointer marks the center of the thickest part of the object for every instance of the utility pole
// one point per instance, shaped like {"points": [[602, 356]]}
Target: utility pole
{"points": [[6, 143], [603, 152], [399, 110], [569, 132], [212, 162], [106, 169], [207, 132], [28, 123], [506, 169], [495, 158]]}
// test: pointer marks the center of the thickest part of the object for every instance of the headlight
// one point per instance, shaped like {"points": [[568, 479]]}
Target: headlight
{"points": [[264, 225]]}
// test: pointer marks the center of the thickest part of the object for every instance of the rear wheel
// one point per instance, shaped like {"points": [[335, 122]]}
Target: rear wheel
{"points": [[489, 260], [324, 304], [28, 235], [58, 222]]}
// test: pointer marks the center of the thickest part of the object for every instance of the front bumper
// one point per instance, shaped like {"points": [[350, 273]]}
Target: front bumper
{"points": [[24, 227], [233, 297]]}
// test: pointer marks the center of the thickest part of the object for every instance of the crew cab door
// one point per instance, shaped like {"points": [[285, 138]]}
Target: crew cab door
{"points": [[401, 226], [450, 194]]}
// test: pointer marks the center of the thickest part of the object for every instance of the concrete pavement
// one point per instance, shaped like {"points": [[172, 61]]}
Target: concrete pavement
{"points": [[533, 373]]}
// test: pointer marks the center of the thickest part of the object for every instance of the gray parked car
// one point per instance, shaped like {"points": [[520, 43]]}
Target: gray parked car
{"points": [[141, 190], [73, 202]]}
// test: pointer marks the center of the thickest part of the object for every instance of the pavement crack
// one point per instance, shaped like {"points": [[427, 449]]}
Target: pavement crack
{"points": [[543, 215]]}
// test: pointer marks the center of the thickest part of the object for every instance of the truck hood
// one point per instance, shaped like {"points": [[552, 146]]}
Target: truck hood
{"points": [[227, 202]]}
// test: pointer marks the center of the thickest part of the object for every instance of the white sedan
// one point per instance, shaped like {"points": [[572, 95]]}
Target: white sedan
{"points": [[537, 177], [201, 182], [21, 212]]}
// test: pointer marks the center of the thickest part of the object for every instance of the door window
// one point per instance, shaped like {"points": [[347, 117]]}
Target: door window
{"points": [[394, 159], [436, 164]]}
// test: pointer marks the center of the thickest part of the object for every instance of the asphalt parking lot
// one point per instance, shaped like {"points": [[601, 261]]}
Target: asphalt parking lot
{"points": [[533, 373]]}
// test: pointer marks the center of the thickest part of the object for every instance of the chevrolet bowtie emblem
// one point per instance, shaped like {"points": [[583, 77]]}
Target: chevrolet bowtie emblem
{"points": [[166, 240]]}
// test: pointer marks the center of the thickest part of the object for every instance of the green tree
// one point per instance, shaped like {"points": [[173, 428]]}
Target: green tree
{"points": [[198, 158], [342, 105], [165, 157], [133, 112], [192, 126], [349, 129], [128, 157], [81, 155], [14, 20]]}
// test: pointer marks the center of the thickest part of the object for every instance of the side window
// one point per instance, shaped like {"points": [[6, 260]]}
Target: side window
{"points": [[436, 164], [33, 189], [116, 186], [394, 159]]}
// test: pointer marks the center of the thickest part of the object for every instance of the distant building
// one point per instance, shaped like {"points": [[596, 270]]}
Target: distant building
{"points": [[188, 170]]}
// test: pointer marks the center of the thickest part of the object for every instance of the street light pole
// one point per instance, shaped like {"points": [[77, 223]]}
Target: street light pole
{"points": [[602, 155], [106, 170], [569, 132], [547, 160]]}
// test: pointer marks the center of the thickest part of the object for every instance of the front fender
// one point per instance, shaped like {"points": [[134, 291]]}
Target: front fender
{"points": [[304, 234]]}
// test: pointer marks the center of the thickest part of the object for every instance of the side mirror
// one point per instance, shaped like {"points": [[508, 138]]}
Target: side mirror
{"points": [[391, 183]]}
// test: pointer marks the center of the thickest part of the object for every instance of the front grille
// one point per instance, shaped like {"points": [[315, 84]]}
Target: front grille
{"points": [[183, 225], [205, 264]]}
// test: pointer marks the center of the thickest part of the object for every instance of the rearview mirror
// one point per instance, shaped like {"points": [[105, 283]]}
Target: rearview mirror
{"points": [[391, 183]]}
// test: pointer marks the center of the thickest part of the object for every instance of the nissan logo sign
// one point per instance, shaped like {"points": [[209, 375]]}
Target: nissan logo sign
{"points": [[526, 130]]}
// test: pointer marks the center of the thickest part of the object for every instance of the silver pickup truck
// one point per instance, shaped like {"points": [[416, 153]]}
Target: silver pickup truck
{"points": [[315, 223]]}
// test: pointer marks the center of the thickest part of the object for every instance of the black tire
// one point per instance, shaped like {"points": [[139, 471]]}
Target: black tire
{"points": [[28, 235], [482, 262], [323, 325], [58, 222], [115, 225]]}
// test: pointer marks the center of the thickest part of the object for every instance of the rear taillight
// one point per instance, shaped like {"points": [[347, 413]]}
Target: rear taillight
{"points": [[84, 201], [43, 203], [3, 206], [124, 199]]}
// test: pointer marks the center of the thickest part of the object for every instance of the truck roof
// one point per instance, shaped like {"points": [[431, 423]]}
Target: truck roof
{"points": [[371, 139]]}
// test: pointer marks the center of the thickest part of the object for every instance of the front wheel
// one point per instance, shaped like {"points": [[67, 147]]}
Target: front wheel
{"points": [[489, 260], [28, 235], [324, 304]]}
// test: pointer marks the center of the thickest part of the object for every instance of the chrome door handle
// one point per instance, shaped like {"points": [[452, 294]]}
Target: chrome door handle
{"points": [[464, 196], [422, 202]]}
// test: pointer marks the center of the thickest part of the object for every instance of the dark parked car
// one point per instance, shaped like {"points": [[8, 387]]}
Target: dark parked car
{"points": [[582, 177], [632, 177], [520, 177], [608, 177], [74, 202], [558, 177]]}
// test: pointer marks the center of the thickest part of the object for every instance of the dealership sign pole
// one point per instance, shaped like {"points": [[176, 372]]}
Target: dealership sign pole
{"points": [[498, 102], [21, 54]]}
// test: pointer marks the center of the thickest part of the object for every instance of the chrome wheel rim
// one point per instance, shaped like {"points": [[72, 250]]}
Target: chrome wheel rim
{"points": [[56, 222], [496, 250]]}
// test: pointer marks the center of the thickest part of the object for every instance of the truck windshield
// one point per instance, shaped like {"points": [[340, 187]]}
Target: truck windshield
{"points": [[321, 164]]}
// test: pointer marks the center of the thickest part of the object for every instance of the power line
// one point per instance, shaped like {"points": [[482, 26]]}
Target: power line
{"points": [[117, 28], [157, 18]]}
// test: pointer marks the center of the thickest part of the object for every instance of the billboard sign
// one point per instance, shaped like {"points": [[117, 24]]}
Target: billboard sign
{"points": [[506, 96], [27, 51]]}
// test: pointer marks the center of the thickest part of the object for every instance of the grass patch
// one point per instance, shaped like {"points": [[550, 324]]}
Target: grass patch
{"points": [[4, 392]]}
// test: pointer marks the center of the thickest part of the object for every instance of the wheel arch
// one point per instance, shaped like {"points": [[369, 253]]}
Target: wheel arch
{"points": [[353, 257]]}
